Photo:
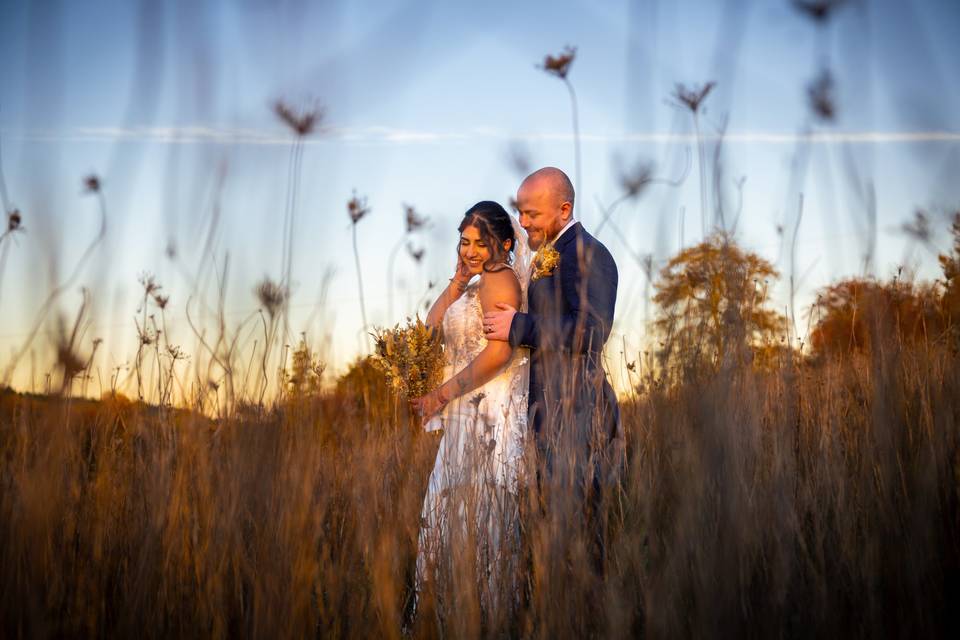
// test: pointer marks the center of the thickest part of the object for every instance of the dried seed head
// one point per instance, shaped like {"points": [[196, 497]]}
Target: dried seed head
{"points": [[560, 65], [693, 96], [91, 183], [69, 361], [147, 338], [415, 222], [302, 124], [416, 254], [149, 283], [519, 157], [175, 352], [477, 399], [161, 300], [820, 94], [919, 227], [14, 221], [647, 265], [272, 296], [357, 208], [635, 180], [817, 10]]}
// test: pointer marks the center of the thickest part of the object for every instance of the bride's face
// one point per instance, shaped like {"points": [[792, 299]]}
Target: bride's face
{"points": [[473, 250]]}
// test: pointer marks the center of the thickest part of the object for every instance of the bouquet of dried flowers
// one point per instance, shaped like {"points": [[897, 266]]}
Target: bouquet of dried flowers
{"points": [[411, 357]]}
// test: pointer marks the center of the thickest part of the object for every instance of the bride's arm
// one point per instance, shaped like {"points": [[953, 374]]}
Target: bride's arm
{"points": [[458, 284], [495, 287], [449, 295]]}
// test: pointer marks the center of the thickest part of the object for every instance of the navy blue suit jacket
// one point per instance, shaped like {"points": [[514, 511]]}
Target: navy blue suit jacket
{"points": [[569, 318]]}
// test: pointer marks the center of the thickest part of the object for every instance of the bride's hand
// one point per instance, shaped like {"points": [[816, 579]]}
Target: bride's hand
{"points": [[461, 276], [426, 406]]}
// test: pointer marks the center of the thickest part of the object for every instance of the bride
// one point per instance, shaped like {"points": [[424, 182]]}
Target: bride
{"points": [[481, 409]]}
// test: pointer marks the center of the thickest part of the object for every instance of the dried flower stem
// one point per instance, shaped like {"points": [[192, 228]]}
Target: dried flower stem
{"points": [[701, 162], [10, 213], [793, 269], [66, 284], [289, 224], [390, 267], [356, 257], [576, 132]]}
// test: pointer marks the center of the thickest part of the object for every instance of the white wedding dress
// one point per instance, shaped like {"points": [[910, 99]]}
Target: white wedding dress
{"points": [[471, 496]]}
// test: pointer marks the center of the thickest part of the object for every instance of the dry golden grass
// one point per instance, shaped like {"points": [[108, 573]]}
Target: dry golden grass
{"points": [[813, 499]]}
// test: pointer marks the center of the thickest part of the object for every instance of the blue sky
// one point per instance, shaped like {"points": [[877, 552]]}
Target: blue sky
{"points": [[423, 101]]}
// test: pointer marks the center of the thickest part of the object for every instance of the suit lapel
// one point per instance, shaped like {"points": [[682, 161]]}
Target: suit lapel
{"points": [[564, 241], [562, 245]]}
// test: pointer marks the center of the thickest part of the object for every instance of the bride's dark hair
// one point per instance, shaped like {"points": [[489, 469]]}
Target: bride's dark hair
{"points": [[493, 223]]}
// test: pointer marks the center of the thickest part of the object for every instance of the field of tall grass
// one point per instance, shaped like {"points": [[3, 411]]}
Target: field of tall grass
{"points": [[810, 497], [777, 483]]}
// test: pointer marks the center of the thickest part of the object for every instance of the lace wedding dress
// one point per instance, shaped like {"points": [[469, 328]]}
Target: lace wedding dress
{"points": [[471, 496]]}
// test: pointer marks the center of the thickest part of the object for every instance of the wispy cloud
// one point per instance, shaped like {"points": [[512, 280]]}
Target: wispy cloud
{"points": [[198, 134]]}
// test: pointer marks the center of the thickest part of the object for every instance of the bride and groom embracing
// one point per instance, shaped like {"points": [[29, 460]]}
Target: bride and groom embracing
{"points": [[522, 350]]}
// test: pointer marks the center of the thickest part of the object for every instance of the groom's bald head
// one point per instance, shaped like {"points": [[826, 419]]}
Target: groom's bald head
{"points": [[553, 180], [545, 203]]}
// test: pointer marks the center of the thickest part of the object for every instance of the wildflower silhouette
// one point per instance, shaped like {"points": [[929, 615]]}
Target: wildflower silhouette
{"points": [[357, 208], [272, 297], [918, 229], [302, 125], [692, 98], [518, 157], [633, 182], [14, 219], [559, 66], [414, 222], [14, 222], [416, 254], [14, 225], [818, 10], [69, 361], [820, 96], [92, 185]]}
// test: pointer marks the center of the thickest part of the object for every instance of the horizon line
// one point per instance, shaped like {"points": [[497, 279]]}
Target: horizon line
{"points": [[200, 134]]}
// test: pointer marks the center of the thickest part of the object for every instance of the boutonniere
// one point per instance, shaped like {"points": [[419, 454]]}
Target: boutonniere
{"points": [[545, 260]]}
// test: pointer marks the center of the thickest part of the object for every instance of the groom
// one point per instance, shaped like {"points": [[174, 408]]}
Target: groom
{"points": [[571, 298]]}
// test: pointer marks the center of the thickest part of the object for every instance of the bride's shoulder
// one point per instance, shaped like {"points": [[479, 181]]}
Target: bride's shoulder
{"points": [[499, 281], [501, 273]]}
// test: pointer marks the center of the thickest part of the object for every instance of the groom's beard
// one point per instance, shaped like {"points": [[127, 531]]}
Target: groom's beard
{"points": [[539, 238]]}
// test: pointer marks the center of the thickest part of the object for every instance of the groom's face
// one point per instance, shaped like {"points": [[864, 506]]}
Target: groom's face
{"points": [[543, 212]]}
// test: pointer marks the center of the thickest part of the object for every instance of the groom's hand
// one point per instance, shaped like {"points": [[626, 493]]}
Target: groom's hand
{"points": [[496, 324]]}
